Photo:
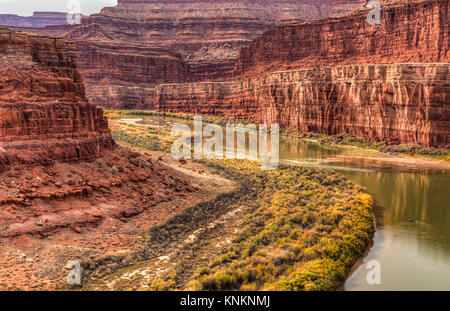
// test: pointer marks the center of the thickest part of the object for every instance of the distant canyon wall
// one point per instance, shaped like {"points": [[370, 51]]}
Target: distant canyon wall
{"points": [[399, 103], [38, 19], [124, 76], [207, 35]]}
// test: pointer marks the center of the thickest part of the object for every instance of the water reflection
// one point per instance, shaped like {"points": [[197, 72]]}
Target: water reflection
{"points": [[419, 201], [294, 150]]}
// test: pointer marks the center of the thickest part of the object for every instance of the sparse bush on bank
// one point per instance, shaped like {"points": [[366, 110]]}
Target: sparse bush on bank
{"points": [[118, 114], [305, 232], [384, 147], [155, 139]]}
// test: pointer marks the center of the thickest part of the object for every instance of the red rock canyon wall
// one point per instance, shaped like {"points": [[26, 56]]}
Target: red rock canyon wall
{"points": [[121, 75], [59, 167], [394, 88], [399, 103], [410, 31]]}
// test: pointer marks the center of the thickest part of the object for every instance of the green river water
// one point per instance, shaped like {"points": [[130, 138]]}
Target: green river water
{"points": [[412, 214]]}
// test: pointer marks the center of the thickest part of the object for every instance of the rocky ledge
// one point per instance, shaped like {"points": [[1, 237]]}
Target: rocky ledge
{"points": [[44, 114]]}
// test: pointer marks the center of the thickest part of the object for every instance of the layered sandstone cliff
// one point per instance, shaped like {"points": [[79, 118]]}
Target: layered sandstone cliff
{"points": [[59, 167], [410, 31], [208, 34], [119, 75], [43, 110], [399, 103]]}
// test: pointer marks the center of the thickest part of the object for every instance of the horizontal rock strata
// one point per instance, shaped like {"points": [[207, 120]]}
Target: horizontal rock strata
{"points": [[394, 84], [401, 103], [42, 200], [44, 114], [410, 31], [119, 75]]}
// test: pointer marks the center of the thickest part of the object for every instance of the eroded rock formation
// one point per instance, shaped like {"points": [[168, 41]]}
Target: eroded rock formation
{"points": [[43, 111], [122, 75], [59, 167], [377, 96], [207, 35]]}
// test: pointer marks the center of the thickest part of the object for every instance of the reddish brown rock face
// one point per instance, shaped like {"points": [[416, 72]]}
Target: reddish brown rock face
{"points": [[122, 75], [206, 35], [206, 30], [44, 115], [59, 167], [400, 103], [44, 199], [67, 192], [410, 32]]}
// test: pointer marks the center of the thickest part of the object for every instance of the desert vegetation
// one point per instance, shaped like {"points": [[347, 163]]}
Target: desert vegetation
{"points": [[302, 228], [304, 232]]}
